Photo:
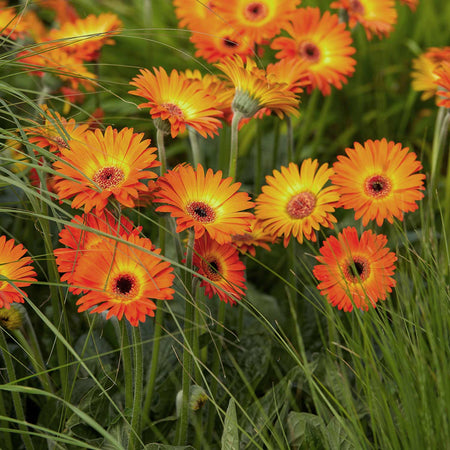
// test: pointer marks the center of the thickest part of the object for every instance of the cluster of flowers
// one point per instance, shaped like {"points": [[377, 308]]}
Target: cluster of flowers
{"points": [[105, 258]]}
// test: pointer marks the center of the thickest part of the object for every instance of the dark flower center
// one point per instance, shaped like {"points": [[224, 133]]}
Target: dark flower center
{"points": [[255, 11], [356, 6], [125, 285], [211, 269], [309, 51], [201, 212], [357, 270], [377, 186], [301, 205], [108, 177], [227, 42]]}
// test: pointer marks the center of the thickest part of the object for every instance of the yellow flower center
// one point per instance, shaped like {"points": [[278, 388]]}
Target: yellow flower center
{"points": [[201, 212], [108, 177], [301, 205], [356, 270], [255, 11], [309, 51], [125, 285], [377, 186]]}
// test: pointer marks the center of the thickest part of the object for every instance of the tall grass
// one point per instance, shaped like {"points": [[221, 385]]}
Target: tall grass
{"points": [[284, 369]]}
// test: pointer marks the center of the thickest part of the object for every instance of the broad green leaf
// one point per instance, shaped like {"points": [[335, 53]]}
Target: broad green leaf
{"points": [[230, 436], [306, 431]]}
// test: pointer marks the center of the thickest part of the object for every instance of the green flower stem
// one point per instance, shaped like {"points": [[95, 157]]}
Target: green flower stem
{"points": [[196, 153], [439, 138], [17, 401], [237, 116], [276, 143], [290, 140], [183, 422], [136, 418], [258, 165], [127, 364], [161, 150], [447, 218], [6, 438], [306, 122], [36, 360]]}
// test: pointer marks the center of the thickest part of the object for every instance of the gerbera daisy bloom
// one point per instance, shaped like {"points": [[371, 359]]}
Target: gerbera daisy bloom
{"points": [[443, 81], [48, 58], [79, 240], [176, 100], [355, 272], [376, 16], [125, 280], [64, 11], [295, 203], [105, 165], [205, 202], [220, 41], [294, 73], [16, 272], [194, 14], [254, 91], [424, 68], [84, 38], [221, 265], [12, 24], [322, 43], [56, 131], [412, 4], [258, 19], [255, 237], [378, 180]]}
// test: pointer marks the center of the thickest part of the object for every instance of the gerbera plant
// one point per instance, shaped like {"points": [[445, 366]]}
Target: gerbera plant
{"points": [[295, 202], [443, 82], [103, 165], [378, 180]]}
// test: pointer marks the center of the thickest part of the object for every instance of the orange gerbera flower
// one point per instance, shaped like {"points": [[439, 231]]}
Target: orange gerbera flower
{"points": [[424, 68], [221, 265], [56, 131], [293, 72], [12, 24], [205, 202], [376, 16], [443, 81], [84, 38], [105, 165], [64, 11], [412, 4], [80, 239], [322, 43], [378, 180], [15, 271], [258, 19], [295, 202], [176, 100], [194, 14], [255, 237], [125, 280], [220, 41], [254, 91], [355, 272]]}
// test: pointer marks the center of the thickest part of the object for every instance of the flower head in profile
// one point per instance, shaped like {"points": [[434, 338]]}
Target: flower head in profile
{"points": [[221, 265], [257, 236], [412, 4], [376, 16], [254, 91], [424, 70], [205, 202], [124, 279], [103, 165], [355, 272], [176, 102], [11, 318], [295, 203], [322, 43], [84, 38], [260, 20], [443, 81], [14, 155], [56, 131], [15, 272], [378, 180], [80, 238]]}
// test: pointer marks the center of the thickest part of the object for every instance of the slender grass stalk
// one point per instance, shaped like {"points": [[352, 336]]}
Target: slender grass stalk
{"points": [[17, 401], [127, 364], [237, 116], [136, 418], [306, 121], [6, 438], [258, 165], [197, 157], [183, 422]]}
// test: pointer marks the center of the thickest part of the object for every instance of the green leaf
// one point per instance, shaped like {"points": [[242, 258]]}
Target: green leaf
{"points": [[167, 447], [306, 431], [337, 436], [230, 436]]}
